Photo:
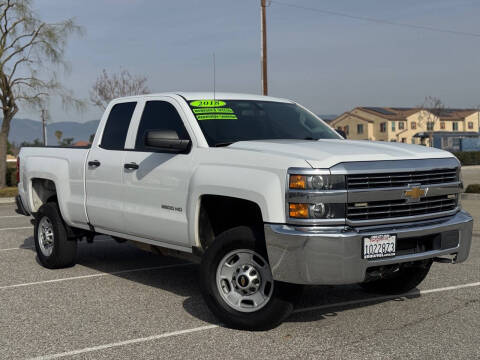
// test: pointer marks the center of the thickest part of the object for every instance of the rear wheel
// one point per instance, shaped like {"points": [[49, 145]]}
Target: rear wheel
{"points": [[54, 248], [237, 283], [407, 278]]}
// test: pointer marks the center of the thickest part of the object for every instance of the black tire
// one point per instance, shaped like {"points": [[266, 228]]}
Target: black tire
{"points": [[283, 297], [64, 249], [406, 279]]}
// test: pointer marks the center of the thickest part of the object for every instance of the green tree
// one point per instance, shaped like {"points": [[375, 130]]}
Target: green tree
{"points": [[10, 148], [29, 49], [37, 142], [66, 142]]}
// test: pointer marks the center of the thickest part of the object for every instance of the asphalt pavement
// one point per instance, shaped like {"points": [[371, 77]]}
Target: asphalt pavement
{"points": [[119, 302]]}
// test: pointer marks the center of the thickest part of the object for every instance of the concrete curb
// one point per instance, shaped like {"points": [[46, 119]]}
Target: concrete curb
{"points": [[468, 196], [7, 200]]}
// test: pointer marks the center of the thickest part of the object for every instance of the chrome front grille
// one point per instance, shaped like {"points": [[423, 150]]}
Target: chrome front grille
{"points": [[401, 179], [400, 208]]}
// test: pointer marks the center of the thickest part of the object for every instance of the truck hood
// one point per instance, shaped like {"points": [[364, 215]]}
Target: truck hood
{"points": [[327, 153]]}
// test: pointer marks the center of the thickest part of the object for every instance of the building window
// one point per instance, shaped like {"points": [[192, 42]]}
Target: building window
{"points": [[470, 124], [413, 140], [360, 128], [430, 125], [413, 125], [455, 126], [383, 127], [401, 125], [442, 125], [393, 125], [346, 129], [404, 140]]}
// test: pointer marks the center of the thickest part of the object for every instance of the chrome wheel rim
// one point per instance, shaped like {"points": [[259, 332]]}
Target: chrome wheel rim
{"points": [[244, 280], [45, 236]]}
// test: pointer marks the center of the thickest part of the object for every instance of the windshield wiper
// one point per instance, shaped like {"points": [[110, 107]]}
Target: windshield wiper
{"points": [[221, 144], [309, 138]]}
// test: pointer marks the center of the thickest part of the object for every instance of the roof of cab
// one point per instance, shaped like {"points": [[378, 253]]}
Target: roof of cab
{"points": [[210, 95]]}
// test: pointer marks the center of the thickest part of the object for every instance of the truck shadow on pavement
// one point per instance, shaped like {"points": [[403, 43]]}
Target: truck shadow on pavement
{"points": [[105, 255]]}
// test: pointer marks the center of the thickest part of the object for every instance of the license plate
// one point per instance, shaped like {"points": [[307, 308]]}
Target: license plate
{"points": [[379, 246]]}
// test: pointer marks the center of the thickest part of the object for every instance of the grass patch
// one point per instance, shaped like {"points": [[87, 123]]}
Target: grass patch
{"points": [[473, 189], [8, 192]]}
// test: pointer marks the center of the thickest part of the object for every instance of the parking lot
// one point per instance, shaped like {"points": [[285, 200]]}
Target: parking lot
{"points": [[119, 302]]}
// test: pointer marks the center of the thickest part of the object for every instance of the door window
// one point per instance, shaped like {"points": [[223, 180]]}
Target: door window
{"points": [[116, 128], [159, 115]]}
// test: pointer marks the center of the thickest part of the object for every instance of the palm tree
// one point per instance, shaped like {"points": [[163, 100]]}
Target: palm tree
{"points": [[58, 135]]}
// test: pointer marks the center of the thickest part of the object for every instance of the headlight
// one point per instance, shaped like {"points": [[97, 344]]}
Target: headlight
{"points": [[314, 196], [316, 182], [316, 211]]}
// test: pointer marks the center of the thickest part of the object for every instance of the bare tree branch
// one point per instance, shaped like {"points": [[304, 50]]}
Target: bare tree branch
{"points": [[431, 111], [28, 46], [111, 86]]}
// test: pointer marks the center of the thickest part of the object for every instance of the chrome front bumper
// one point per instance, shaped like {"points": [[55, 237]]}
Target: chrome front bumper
{"points": [[333, 255]]}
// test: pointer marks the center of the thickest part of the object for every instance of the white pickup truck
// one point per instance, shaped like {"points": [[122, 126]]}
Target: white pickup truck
{"points": [[260, 190]]}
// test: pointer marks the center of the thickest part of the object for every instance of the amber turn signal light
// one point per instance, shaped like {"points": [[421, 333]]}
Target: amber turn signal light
{"points": [[298, 210], [298, 182]]}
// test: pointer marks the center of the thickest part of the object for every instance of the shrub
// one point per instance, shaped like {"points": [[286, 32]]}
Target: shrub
{"points": [[468, 157], [11, 175], [473, 188]]}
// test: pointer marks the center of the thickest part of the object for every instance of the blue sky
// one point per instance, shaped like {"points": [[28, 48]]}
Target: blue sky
{"points": [[327, 63]]}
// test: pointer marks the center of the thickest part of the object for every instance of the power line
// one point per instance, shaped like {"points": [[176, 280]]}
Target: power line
{"points": [[375, 20]]}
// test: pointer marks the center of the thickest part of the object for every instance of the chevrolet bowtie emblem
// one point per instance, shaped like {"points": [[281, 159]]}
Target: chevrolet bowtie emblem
{"points": [[415, 193]]}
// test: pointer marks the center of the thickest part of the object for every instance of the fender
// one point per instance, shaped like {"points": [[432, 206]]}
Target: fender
{"points": [[68, 180], [265, 188]]}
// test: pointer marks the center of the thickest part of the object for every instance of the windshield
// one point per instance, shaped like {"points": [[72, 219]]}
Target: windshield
{"points": [[226, 121]]}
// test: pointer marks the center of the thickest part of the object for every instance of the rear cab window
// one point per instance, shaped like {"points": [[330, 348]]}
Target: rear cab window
{"points": [[116, 127]]}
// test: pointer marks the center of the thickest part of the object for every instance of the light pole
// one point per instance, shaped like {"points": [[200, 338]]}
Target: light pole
{"points": [[44, 126], [263, 22]]}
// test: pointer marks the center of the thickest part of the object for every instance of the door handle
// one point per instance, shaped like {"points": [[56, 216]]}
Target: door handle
{"points": [[94, 163], [131, 166]]}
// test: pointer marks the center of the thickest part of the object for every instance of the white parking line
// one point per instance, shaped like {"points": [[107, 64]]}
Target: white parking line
{"points": [[127, 342], [18, 248], [11, 216], [387, 297], [33, 247], [92, 275], [208, 327], [17, 228]]}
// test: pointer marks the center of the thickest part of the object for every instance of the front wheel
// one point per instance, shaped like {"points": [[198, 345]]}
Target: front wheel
{"points": [[237, 283]]}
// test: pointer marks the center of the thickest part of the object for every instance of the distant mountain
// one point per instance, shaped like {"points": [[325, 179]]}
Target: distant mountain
{"points": [[28, 130]]}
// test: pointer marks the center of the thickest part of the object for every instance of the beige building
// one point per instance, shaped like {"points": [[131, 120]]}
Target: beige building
{"points": [[407, 125]]}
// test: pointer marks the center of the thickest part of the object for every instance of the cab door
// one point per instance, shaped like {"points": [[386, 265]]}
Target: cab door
{"points": [[104, 171], [156, 180]]}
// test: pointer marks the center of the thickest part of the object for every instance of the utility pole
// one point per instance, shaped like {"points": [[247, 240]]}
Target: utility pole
{"points": [[44, 126], [263, 16]]}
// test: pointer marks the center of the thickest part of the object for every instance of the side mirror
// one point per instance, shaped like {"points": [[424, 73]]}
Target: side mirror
{"points": [[166, 140]]}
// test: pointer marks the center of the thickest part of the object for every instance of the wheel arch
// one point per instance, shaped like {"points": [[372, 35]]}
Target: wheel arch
{"points": [[218, 213]]}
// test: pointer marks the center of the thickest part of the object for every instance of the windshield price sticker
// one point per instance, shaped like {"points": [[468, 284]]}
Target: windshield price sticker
{"points": [[217, 117], [207, 103], [213, 110]]}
